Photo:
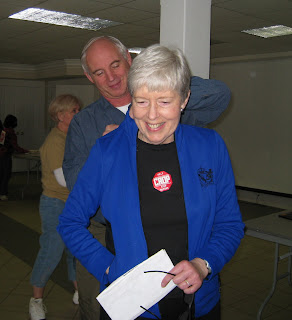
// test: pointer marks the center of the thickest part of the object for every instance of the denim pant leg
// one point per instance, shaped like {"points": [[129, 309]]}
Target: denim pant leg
{"points": [[51, 244], [71, 265]]}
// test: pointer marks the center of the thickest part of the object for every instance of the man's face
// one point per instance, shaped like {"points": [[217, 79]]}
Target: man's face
{"points": [[108, 69]]}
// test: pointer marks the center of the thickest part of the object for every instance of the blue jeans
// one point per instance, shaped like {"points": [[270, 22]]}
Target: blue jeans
{"points": [[51, 244]]}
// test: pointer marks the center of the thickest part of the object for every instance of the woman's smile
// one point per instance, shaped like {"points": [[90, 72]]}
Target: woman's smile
{"points": [[155, 126]]}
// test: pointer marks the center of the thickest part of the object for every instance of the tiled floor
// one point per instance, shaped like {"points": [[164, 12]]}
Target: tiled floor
{"points": [[246, 280]]}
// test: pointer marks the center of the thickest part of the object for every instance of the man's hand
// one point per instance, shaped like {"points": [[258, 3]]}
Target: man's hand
{"points": [[189, 275], [109, 128]]}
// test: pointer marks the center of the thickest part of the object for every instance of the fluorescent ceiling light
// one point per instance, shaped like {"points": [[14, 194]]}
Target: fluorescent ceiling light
{"points": [[268, 32], [135, 50], [63, 19]]}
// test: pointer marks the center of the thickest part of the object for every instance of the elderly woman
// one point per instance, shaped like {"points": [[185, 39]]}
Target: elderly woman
{"points": [[52, 202], [159, 184]]}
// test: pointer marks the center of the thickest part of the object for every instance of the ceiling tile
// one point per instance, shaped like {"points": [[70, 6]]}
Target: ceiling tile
{"points": [[123, 14], [33, 43], [149, 5], [74, 6], [152, 22]]}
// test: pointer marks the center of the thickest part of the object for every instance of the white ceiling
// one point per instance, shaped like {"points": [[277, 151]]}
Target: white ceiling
{"points": [[34, 43]]}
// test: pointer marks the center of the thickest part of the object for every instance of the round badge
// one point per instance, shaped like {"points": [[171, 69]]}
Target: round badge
{"points": [[162, 181]]}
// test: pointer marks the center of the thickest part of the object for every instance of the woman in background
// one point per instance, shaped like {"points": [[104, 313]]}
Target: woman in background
{"points": [[52, 201], [11, 146]]}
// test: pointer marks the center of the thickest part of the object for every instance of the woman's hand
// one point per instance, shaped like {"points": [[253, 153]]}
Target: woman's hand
{"points": [[189, 275]]}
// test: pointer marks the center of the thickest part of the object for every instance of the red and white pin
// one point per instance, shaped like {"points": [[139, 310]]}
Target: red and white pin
{"points": [[162, 181]]}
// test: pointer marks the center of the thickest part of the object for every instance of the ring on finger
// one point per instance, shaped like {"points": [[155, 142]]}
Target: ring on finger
{"points": [[186, 281]]}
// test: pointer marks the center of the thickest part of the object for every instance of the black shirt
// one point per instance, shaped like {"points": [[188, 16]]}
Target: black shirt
{"points": [[163, 211]]}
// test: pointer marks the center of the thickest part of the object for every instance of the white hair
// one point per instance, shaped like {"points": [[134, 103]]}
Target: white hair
{"points": [[160, 68]]}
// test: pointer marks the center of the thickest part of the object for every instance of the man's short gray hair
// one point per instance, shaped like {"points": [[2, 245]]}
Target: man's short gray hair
{"points": [[160, 68], [122, 49]]}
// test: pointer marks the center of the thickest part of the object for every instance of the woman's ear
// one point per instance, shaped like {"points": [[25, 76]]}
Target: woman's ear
{"points": [[131, 112], [186, 101], [60, 116], [129, 58]]}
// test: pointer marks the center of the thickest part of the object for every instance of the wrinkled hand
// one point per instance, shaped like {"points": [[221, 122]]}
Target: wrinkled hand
{"points": [[109, 128], [189, 275]]}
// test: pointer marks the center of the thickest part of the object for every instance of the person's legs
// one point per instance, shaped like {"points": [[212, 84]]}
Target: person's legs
{"points": [[88, 285], [71, 267], [6, 167], [49, 255], [51, 244], [2, 173]]}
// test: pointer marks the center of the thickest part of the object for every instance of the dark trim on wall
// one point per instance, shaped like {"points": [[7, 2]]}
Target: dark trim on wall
{"points": [[273, 193]]}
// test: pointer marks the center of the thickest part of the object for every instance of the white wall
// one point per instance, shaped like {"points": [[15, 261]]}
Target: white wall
{"points": [[84, 92], [257, 127], [28, 100], [25, 100], [81, 87]]}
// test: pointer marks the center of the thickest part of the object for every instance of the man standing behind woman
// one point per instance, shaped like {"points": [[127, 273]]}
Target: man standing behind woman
{"points": [[52, 201]]}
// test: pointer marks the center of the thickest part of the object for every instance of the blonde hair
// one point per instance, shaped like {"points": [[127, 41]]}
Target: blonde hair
{"points": [[61, 103]]}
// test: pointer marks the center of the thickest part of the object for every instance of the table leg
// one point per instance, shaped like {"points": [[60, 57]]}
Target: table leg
{"points": [[274, 282], [27, 178], [277, 277], [289, 267]]}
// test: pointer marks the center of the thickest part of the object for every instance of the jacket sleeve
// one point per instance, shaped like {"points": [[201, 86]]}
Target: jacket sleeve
{"points": [[80, 206], [76, 153], [228, 228], [208, 99]]}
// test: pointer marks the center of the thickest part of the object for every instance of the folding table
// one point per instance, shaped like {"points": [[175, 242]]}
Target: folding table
{"points": [[278, 230]]}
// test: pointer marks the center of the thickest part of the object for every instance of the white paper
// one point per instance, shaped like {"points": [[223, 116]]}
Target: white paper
{"points": [[122, 299]]}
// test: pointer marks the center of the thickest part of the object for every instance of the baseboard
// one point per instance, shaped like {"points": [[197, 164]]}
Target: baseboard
{"points": [[267, 199]]}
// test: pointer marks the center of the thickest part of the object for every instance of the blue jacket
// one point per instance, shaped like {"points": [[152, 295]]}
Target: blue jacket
{"points": [[109, 180], [209, 98]]}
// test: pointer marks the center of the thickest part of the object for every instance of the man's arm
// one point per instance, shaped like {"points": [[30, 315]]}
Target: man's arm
{"points": [[209, 98], [76, 153], [77, 149]]}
